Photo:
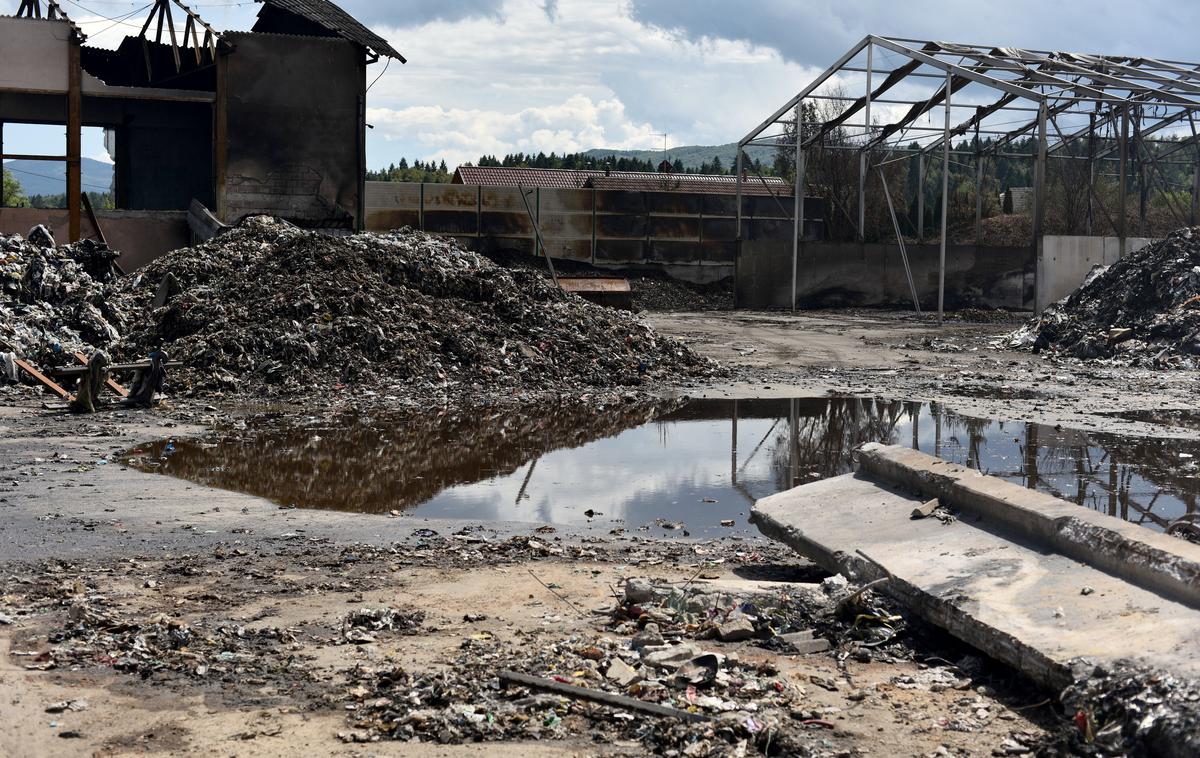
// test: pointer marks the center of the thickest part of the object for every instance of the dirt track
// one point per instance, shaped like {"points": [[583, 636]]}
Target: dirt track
{"points": [[122, 536]]}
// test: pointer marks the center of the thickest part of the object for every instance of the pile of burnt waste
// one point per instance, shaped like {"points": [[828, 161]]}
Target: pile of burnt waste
{"points": [[272, 308], [1144, 310], [54, 301]]}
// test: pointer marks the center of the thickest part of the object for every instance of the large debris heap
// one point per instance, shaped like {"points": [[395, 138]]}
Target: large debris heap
{"points": [[55, 300], [1144, 310], [271, 306]]}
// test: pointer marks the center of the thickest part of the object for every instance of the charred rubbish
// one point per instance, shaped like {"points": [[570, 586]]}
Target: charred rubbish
{"points": [[1127, 710], [1144, 310], [270, 307], [55, 301]]}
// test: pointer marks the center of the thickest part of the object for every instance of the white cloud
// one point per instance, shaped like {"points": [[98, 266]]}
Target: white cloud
{"points": [[587, 75], [463, 134]]}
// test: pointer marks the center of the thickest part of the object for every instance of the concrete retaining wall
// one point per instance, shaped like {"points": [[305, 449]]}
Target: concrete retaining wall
{"points": [[1066, 261], [689, 235], [866, 274], [141, 236]]}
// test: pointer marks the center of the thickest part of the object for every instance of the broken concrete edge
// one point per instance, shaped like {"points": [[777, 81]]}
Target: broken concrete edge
{"points": [[1156, 562], [942, 613]]}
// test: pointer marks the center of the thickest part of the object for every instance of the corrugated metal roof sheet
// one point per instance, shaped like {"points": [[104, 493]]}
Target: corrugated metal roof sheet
{"points": [[333, 18], [634, 181]]}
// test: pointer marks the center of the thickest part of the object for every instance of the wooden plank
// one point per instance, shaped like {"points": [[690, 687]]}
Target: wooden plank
{"points": [[91, 212], [112, 384], [599, 696], [46, 381], [69, 371]]}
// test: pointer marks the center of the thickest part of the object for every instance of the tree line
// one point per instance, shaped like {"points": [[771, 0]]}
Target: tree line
{"points": [[14, 197], [419, 171]]}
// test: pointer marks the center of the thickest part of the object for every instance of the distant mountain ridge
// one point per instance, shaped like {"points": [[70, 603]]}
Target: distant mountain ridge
{"points": [[691, 155], [50, 177]]}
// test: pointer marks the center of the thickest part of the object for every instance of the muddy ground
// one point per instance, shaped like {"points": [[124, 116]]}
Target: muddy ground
{"points": [[94, 555]]}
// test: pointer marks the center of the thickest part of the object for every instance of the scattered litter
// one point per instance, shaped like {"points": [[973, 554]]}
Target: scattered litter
{"points": [[363, 625]]}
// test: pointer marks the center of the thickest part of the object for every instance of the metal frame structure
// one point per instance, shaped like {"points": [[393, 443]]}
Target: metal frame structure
{"points": [[1118, 106]]}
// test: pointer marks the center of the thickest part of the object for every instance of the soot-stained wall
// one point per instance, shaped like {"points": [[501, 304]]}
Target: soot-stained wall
{"points": [[841, 274], [294, 128]]}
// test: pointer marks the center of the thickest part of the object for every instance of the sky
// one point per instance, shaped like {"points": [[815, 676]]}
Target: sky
{"points": [[499, 76]]}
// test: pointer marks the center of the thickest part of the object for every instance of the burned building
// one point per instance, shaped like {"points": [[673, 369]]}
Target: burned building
{"points": [[266, 121]]}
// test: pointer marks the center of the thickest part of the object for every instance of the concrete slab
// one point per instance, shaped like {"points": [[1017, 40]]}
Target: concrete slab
{"points": [[1016, 600]]}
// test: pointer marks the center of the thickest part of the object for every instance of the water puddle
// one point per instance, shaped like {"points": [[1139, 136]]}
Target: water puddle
{"points": [[686, 470], [1184, 418]]}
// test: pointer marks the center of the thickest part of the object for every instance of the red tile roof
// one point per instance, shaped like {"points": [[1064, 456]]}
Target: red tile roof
{"points": [[636, 181], [549, 178], [723, 184]]}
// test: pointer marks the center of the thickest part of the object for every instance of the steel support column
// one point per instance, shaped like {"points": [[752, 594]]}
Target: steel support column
{"points": [[1039, 190], [1122, 211], [737, 237], [920, 197], [738, 196], [862, 155], [1091, 168], [945, 204], [1196, 193], [978, 187], [798, 213]]}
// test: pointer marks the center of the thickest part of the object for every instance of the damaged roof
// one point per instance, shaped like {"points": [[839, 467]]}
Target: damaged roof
{"points": [[637, 181], [329, 16]]}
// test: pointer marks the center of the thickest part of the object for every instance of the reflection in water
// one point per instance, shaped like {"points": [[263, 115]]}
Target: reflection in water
{"points": [[1185, 418], [698, 464]]}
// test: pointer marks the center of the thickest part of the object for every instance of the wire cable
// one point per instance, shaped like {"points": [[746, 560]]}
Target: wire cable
{"points": [[54, 178], [381, 73]]}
